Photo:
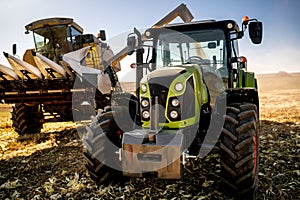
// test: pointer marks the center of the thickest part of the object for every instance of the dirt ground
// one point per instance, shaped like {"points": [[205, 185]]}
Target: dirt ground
{"points": [[50, 165]]}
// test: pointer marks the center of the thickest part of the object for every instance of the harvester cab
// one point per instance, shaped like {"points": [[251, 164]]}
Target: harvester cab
{"points": [[194, 94], [54, 37]]}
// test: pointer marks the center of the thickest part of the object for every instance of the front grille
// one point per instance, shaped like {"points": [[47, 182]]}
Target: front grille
{"points": [[161, 92]]}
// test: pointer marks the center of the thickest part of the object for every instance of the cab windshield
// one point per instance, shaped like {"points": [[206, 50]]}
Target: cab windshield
{"points": [[54, 41], [203, 47]]}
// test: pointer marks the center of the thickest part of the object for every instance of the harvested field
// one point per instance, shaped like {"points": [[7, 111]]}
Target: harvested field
{"points": [[50, 165]]}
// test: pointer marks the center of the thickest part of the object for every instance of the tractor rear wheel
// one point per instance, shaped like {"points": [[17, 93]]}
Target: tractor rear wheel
{"points": [[102, 141], [239, 151], [27, 119]]}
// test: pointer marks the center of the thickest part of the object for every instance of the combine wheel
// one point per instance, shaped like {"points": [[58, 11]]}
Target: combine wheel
{"points": [[27, 119], [239, 151], [102, 142]]}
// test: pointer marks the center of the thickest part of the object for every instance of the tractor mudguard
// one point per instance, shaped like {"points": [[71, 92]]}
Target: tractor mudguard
{"points": [[249, 95]]}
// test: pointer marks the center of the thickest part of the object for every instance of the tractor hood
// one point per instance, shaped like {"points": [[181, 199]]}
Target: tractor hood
{"points": [[165, 76], [168, 76]]}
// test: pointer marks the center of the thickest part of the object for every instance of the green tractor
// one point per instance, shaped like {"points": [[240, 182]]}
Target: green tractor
{"points": [[194, 95]]}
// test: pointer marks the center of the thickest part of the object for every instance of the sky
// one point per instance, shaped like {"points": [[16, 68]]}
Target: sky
{"points": [[279, 51]]}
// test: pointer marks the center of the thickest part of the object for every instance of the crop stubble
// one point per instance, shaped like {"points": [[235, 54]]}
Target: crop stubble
{"points": [[50, 165]]}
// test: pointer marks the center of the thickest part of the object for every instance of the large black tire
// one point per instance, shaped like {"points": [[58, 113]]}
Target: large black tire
{"points": [[239, 151], [102, 142], [27, 119]]}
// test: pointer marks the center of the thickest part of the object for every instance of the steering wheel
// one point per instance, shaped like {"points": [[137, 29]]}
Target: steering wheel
{"points": [[195, 60]]}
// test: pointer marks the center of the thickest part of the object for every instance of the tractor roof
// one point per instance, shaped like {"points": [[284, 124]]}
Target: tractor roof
{"points": [[52, 22], [204, 24]]}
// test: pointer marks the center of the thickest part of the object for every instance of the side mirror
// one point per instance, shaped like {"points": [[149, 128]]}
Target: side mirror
{"points": [[102, 35], [131, 44], [14, 49], [255, 32]]}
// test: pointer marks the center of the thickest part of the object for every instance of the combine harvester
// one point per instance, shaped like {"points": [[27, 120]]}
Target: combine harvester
{"points": [[41, 86]]}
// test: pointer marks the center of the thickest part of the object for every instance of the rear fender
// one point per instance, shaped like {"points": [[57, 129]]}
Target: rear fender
{"points": [[249, 95]]}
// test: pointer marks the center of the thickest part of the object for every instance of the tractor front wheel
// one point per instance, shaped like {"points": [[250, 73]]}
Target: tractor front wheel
{"points": [[102, 141], [239, 151]]}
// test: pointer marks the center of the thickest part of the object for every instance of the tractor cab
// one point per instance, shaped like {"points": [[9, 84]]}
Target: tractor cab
{"points": [[206, 48], [209, 45]]}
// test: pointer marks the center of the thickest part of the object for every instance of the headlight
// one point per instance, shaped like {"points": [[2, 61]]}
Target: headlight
{"points": [[145, 114], [229, 25], [175, 102], [173, 114], [178, 87], [145, 103], [144, 88]]}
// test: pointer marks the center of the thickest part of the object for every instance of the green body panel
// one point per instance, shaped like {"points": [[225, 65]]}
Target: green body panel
{"points": [[200, 95]]}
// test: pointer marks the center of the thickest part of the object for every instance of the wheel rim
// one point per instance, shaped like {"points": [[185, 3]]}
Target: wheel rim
{"points": [[255, 153]]}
